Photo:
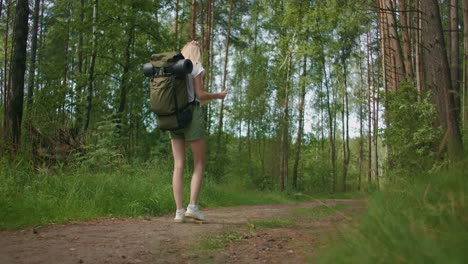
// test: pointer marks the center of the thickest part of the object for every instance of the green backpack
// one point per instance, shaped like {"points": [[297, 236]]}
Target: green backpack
{"points": [[168, 90]]}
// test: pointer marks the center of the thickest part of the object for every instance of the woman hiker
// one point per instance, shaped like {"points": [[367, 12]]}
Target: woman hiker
{"points": [[194, 134]]}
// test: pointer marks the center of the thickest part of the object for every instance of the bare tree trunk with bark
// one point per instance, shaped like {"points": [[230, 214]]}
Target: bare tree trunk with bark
{"points": [[376, 127], [226, 57], [300, 126], [126, 69], [361, 125], [438, 75], [465, 70], [176, 25], [32, 68], [345, 118], [331, 125], [397, 67], [369, 115], [406, 37], [6, 84], [418, 52], [454, 57], [194, 17], [284, 140], [89, 96], [18, 69]]}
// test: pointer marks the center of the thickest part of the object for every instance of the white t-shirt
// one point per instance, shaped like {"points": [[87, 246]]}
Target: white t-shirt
{"points": [[197, 70]]}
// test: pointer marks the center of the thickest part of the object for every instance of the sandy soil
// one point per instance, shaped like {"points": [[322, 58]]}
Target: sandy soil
{"points": [[160, 240]]}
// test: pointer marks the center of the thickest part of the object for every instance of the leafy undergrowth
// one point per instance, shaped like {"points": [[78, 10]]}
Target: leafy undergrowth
{"points": [[420, 220]]}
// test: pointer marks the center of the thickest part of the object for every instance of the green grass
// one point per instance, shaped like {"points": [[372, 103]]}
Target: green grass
{"points": [[422, 219], [321, 210], [30, 198], [274, 222]]}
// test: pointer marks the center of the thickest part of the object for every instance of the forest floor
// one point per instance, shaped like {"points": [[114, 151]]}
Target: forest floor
{"points": [[284, 233]]}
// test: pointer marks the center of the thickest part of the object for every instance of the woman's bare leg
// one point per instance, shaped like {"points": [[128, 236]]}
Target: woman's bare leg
{"points": [[178, 151], [198, 149]]}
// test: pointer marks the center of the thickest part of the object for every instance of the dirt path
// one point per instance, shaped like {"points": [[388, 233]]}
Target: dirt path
{"points": [[288, 233]]}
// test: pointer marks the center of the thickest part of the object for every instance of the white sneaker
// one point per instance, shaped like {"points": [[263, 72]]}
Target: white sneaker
{"points": [[194, 212], [180, 216]]}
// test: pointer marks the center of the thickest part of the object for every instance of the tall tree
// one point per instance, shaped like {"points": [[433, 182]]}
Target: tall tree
{"points": [[176, 25], [465, 69], [300, 126], [330, 105], [454, 51], [394, 49], [361, 95], [437, 73], [369, 112], [89, 96], [345, 118], [194, 17], [124, 83], [375, 100], [32, 67], [284, 132], [406, 38], [226, 57], [18, 69], [6, 75]]}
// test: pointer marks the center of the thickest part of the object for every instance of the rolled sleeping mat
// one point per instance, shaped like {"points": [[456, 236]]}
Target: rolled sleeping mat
{"points": [[181, 67], [148, 69]]}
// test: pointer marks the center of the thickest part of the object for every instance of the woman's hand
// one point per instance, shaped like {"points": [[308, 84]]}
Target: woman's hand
{"points": [[223, 94]]}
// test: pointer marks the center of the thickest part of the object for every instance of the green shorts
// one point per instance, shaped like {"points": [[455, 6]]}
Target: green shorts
{"points": [[195, 130]]}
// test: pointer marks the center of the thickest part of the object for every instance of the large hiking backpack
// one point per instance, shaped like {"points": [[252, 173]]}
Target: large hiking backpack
{"points": [[168, 90]]}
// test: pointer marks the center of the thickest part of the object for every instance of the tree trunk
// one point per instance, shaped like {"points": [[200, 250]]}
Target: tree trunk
{"points": [[194, 16], [465, 70], [384, 46], [176, 25], [332, 128], [206, 46], [454, 57], [126, 69], [65, 67], [361, 134], [6, 88], [18, 69], [80, 78], [32, 68], [346, 150], [418, 52], [437, 74], [300, 126], [376, 128], [406, 40], [284, 147], [369, 115], [226, 57], [395, 48], [89, 96]]}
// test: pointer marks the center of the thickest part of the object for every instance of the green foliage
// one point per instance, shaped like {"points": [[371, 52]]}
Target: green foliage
{"points": [[102, 149], [421, 219], [411, 133]]}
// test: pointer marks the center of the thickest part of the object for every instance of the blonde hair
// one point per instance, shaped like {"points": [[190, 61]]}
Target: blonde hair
{"points": [[192, 51]]}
